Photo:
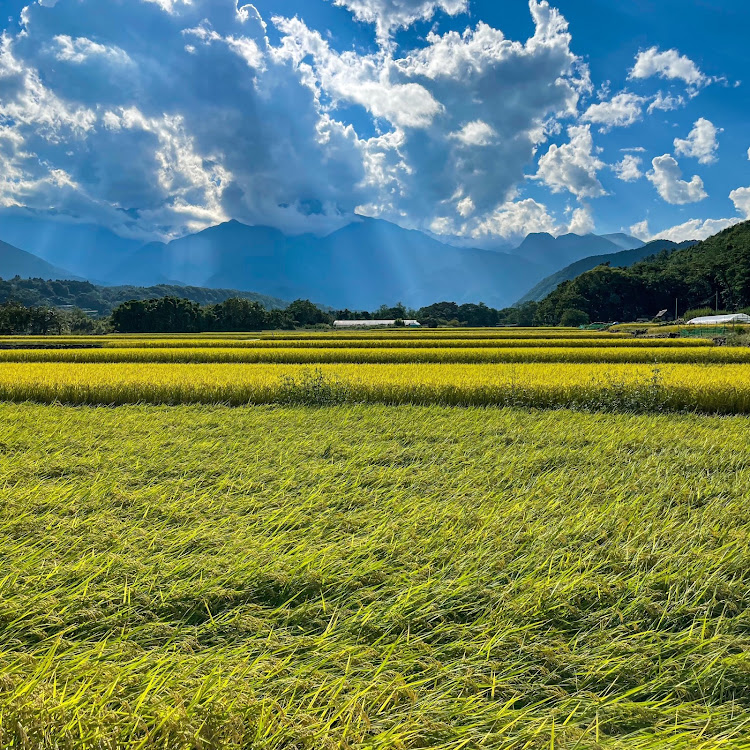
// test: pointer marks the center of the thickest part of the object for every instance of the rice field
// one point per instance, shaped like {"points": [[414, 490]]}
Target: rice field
{"points": [[133, 342], [385, 355], [453, 539]]}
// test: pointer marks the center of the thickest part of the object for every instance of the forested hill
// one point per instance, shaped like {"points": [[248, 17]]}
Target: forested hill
{"points": [[693, 276], [103, 299], [623, 259]]}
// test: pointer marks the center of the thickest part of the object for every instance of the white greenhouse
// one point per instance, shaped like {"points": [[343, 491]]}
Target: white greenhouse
{"points": [[371, 323], [719, 320]]}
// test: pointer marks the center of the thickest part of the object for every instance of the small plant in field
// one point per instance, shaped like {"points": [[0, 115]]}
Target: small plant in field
{"points": [[312, 388]]}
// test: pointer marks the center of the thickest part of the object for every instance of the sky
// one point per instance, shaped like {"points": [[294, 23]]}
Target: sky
{"points": [[476, 120]]}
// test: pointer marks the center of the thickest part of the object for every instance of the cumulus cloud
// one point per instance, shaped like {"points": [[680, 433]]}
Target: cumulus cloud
{"points": [[388, 15], [701, 142], [573, 166], [201, 118], [158, 140], [669, 64], [665, 103], [81, 49], [513, 219], [666, 176], [741, 199], [698, 229], [695, 229], [476, 133], [581, 222], [466, 111], [349, 77], [620, 111], [629, 169]]}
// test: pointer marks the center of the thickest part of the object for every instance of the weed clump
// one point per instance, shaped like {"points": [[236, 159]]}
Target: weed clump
{"points": [[312, 388]]}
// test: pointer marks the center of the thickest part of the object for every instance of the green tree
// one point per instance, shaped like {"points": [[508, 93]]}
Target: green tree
{"points": [[305, 313], [237, 314], [164, 315], [573, 318]]}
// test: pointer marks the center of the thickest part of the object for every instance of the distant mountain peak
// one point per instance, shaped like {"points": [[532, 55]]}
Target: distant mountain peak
{"points": [[553, 253]]}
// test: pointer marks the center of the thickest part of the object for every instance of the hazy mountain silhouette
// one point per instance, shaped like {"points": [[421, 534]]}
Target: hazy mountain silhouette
{"points": [[553, 253], [363, 265], [16, 262], [624, 241]]}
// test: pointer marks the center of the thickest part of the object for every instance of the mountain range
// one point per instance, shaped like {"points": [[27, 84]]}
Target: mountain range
{"points": [[365, 264]]}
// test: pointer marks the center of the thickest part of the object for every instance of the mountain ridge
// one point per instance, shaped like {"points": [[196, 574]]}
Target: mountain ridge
{"points": [[363, 264]]}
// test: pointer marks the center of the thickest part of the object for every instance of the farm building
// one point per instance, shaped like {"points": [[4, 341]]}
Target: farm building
{"points": [[371, 323], [719, 320]]}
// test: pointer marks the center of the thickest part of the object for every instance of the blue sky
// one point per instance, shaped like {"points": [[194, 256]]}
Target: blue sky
{"points": [[476, 120]]}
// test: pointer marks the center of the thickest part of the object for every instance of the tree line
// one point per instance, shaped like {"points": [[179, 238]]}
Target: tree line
{"points": [[173, 314], [177, 315], [41, 320]]}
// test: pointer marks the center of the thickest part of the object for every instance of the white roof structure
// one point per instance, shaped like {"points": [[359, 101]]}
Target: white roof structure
{"points": [[369, 323], [719, 320]]}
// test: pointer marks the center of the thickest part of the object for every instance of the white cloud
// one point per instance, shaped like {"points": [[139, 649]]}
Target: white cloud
{"points": [[629, 169], [513, 219], [388, 15], [166, 5], [145, 149], [669, 64], [665, 103], [698, 229], [363, 80], [620, 111], [666, 178], [695, 229], [701, 142], [581, 222], [741, 199], [81, 49], [640, 230], [573, 166], [161, 117], [476, 133], [481, 104]]}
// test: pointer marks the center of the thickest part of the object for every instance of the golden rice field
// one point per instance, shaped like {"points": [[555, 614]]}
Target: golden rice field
{"points": [[489, 539], [385, 355], [334, 342], [706, 388]]}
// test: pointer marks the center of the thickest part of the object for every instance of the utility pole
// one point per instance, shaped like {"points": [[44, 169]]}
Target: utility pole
{"points": [[717, 302], [675, 309]]}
